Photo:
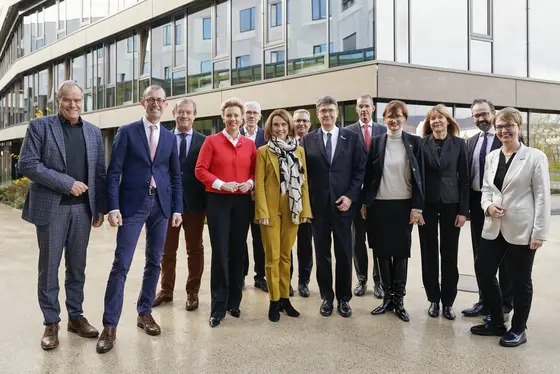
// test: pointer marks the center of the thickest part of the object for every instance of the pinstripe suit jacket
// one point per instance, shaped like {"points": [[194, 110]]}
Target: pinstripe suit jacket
{"points": [[43, 160]]}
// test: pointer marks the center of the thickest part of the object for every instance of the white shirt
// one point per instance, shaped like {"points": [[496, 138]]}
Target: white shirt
{"points": [[252, 137], [334, 138], [147, 125], [370, 128], [218, 183], [475, 167], [188, 139]]}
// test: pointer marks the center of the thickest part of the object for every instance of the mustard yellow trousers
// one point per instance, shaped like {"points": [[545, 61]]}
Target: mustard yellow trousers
{"points": [[278, 239]]}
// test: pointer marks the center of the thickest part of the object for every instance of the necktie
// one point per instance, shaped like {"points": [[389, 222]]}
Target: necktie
{"points": [[183, 148], [329, 147], [152, 151], [367, 136], [482, 158]]}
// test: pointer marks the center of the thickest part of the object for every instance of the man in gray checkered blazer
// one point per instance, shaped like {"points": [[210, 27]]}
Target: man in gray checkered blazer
{"points": [[64, 158]]}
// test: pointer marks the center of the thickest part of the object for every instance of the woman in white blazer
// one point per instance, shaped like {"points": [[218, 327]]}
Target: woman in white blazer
{"points": [[516, 202]]}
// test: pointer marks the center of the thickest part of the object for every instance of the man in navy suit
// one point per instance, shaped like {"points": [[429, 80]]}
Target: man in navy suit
{"points": [[146, 161], [252, 131], [335, 171], [366, 129]]}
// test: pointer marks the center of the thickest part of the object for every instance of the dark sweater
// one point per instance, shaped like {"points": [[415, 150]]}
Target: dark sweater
{"points": [[76, 158]]}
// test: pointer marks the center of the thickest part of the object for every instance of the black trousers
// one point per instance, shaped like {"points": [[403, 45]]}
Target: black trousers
{"points": [[521, 259], [228, 224], [477, 223], [443, 215], [359, 249], [304, 253], [258, 249], [341, 228]]}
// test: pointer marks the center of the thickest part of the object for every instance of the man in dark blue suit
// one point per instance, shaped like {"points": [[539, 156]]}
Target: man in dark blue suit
{"points": [[366, 129], [252, 131], [146, 161], [335, 171]]}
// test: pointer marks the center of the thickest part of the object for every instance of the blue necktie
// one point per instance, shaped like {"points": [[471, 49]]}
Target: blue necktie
{"points": [[482, 158], [183, 148], [329, 147]]}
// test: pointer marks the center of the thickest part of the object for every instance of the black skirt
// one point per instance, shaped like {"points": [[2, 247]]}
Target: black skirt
{"points": [[388, 229]]}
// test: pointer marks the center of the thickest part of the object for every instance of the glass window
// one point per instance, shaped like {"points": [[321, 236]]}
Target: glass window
{"points": [[463, 116], [221, 74], [167, 35], [510, 37], [199, 53], [100, 10], [275, 14], [273, 33], [61, 14], [86, 11], [179, 45], [145, 46], [113, 6], [79, 70], [161, 56], [401, 30], [33, 31], [99, 79], [416, 116], [112, 61], [125, 61], [222, 28], [247, 19], [204, 126], [384, 42], [480, 11], [481, 56], [43, 90], [349, 43], [89, 70], [322, 48], [179, 87], [545, 135], [449, 31], [274, 61], [319, 9], [544, 59], [73, 15], [246, 47], [50, 24], [26, 35]]}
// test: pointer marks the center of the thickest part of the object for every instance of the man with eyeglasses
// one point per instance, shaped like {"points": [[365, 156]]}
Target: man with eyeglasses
{"points": [[143, 188], [252, 131], [366, 129], [302, 122], [478, 146]]}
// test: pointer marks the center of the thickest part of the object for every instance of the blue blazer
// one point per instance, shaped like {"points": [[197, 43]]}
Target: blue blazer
{"points": [[259, 141], [131, 165]]}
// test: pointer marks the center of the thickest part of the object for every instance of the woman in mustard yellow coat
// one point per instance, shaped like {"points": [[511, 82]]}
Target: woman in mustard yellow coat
{"points": [[281, 204]]}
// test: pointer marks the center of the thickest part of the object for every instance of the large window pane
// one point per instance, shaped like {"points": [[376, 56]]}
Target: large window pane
{"points": [[463, 116], [384, 42], [480, 11], [204, 126], [50, 24], [401, 30], [112, 61], [222, 28], [545, 135], [221, 74], [481, 56], [43, 90], [99, 10], [416, 116], [275, 62], [179, 83], [179, 40], [273, 32], [61, 14], [73, 15], [125, 60], [86, 10], [79, 70], [303, 38], [449, 31], [510, 37], [200, 51], [100, 79], [247, 19], [162, 58], [351, 34], [544, 28], [246, 45], [26, 35]]}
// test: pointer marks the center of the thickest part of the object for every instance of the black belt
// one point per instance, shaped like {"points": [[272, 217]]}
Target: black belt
{"points": [[152, 191]]}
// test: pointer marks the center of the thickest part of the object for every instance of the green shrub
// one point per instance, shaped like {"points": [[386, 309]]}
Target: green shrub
{"points": [[13, 193]]}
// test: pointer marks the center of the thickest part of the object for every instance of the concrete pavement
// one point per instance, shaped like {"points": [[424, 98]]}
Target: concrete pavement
{"points": [[251, 344]]}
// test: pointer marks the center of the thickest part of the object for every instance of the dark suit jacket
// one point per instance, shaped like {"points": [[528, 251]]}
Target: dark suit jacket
{"points": [[446, 176], [343, 177], [376, 161], [376, 130], [194, 197], [43, 160], [130, 171], [259, 141], [471, 145]]}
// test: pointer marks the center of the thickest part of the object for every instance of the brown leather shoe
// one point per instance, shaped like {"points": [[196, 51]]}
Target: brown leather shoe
{"points": [[192, 301], [50, 337], [162, 297], [81, 326], [147, 323], [106, 340]]}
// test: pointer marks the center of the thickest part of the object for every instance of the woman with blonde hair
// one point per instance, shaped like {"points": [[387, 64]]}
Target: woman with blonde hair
{"points": [[281, 204], [447, 205], [226, 166]]}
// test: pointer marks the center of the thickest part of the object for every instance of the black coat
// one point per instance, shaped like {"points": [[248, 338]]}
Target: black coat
{"points": [[194, 197]]}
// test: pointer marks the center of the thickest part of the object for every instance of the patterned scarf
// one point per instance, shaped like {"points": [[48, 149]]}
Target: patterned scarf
{"points": [[291, 173]]}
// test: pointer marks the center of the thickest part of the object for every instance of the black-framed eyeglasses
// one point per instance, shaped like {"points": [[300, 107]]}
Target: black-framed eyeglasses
{"points": [[507, 126], [301, 120], [151, 100]]}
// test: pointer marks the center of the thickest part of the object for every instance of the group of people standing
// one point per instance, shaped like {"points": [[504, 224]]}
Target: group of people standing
{"points": [[287, 185]]}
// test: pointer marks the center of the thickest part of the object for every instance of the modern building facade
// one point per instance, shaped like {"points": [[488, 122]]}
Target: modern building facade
{"points": [[282, 53]]}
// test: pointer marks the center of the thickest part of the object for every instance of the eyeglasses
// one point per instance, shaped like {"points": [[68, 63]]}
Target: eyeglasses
{"points": [[151, 100], [252, 113], [395, 118], [301, 120], [508, 127], [327, 111], [481, 115]]}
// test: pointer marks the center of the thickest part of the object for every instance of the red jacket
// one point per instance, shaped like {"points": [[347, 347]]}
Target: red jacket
{"points": [[219, 159]]}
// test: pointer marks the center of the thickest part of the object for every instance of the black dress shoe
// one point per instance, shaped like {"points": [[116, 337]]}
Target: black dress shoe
{"points": [[261, 283], [326, 308], [344, 309], [448, 313], [214, 321], [488, 318], [489, 330], [433, 310], [474, 311], [378, 291], [361, 289], [512, 339], [234, 312], [303, 290]]}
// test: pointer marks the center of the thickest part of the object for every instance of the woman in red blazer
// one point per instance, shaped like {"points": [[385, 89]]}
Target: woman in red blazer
{"points": [[226, 166]]}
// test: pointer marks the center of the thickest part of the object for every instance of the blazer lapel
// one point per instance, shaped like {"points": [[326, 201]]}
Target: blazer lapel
{"points": [[56, 128], [382, 146], [89, 140], [274, 161], [446, 150], [321, 145], [142, 133], [341, 142], [515, 166], [496, 143], [433, 149]]}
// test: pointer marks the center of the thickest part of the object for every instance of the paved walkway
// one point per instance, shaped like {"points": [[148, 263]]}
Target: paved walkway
{"points": [[252, 344]]}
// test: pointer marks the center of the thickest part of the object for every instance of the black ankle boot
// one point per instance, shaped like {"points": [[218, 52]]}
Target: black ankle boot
{"points": [[287, 307], [385, 272], [273, 312], [400, 269]]}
